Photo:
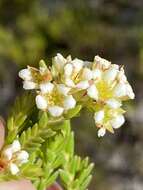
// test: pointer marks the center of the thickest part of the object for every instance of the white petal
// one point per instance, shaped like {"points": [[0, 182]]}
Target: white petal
{"points": [[16, 146], [46, 87], [7, 153], [78, 64], [110, 74], [41, 102], [23, 155], [69, 102], [29, 85], [56, 111], [113, 103], [99, 117], [13, 168], [87, 74], [68, 69], [92, 92], [83, 85], [59, 61], [25, 74], [63, 89], [103, 62], [97, 73], [120, 90], [129, 91], [69, 82], [121, 76], [118, 121], [101, 132]]}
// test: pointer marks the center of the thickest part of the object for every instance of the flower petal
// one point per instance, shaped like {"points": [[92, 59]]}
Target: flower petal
{"points": [[25, 74], [68, 69], [13, 168], [41, 102], [69, 102], [46, 87], [99, 117], [83, 85], [92, 92], [101, 132], [63, 89], [16, 146], [29, 85], [56, 111], [118, 121], [113, 103], [87, 74]]}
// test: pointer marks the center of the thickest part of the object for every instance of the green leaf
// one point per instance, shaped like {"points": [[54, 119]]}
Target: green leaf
{"points": [[73, 112]]}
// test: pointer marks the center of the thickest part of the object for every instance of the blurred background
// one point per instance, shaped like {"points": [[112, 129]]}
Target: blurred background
{"points": [[113, 29]]}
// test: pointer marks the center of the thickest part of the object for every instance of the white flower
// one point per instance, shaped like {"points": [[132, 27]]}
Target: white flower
{"points": [[56, 111], [29, 85], [99, 117], [41, 102], [101, 132], [92, 92], [69, 102], [15, 156], [113, 103], [25, 74], [83, 85], [14, 168], [117, 121], [46, 87]]}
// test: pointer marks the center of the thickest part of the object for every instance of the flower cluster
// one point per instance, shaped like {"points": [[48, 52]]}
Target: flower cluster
{"points": [[99, 86], [12, 157]]}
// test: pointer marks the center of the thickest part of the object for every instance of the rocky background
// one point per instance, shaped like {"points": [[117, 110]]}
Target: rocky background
{"points": [[31, 30]]}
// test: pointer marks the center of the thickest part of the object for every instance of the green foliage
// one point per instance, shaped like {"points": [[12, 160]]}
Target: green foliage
{"points": [[76, 173], [32, 138], [20, 112]]}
